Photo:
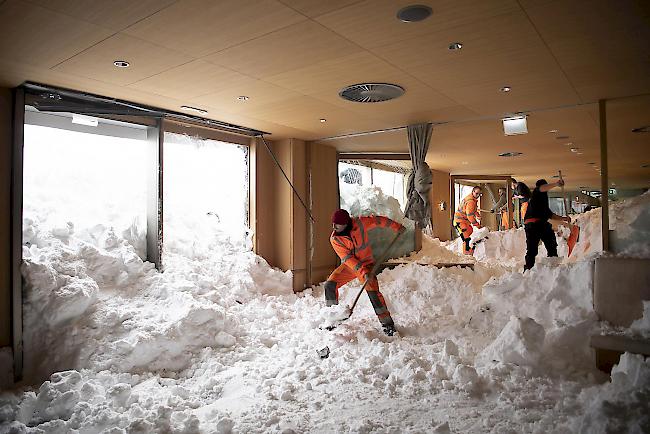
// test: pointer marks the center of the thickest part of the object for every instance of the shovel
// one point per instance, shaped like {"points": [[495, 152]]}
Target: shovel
{"points": [[374, 270]]}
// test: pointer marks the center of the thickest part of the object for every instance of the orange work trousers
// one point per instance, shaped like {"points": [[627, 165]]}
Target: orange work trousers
{"points": [[344, 274], [504, 220], [465, 230]]}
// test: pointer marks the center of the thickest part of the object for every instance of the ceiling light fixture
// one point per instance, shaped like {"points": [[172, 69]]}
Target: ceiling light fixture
{"points": [[561, 137], [121, 63], [323, 120], [194, 109], [243, 98], [505, 89], [414, 13], [645, 129], [84, 120], [515, 125], [645, 166], [575, 149], [455, 46], [553, 131], [510, 154]]}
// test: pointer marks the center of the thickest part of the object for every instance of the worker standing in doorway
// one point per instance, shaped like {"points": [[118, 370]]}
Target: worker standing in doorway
{"points": [[501, 208], [536, 222], [521, 193], [468, 215], [350, 242]]}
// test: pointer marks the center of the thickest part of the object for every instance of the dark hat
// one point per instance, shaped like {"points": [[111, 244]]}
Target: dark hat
{"points": [[341, 217]]}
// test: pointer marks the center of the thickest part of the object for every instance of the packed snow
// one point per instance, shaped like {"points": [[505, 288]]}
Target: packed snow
{"points": [[218, 342]]}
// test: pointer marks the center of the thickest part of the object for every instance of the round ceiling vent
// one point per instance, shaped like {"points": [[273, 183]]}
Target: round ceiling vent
{"points": [[371, 92], [414, 13], [510, 154]]}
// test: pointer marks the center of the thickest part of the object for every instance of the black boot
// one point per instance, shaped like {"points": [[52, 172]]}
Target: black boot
{"points": [[389, 329]]}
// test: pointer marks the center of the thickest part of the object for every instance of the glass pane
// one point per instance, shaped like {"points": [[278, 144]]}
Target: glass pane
{"points": [[83, 185], [205, 192]]}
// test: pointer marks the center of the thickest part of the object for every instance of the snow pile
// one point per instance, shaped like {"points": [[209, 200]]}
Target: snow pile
{"points": [[641, 326], [79, 293], [433, 252], [370, 200], [520, 342], [619, 406], [630, 220]]}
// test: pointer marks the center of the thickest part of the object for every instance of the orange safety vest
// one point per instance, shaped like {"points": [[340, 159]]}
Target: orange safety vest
{"points": [[354, 249], [468, 211]]}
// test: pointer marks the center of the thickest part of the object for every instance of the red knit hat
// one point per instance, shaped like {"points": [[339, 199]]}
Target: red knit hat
{"points": [[341, 217]]}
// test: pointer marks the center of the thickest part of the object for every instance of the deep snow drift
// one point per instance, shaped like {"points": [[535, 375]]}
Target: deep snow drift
{"points": [[219, 343]]}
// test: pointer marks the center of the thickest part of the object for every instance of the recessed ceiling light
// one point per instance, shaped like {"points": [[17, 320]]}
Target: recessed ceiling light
{"points": [[579, 153], [455, 46], [243, 98], [464, 162], [121, 63], [591, 164], [414, 13], [561, 137], [553, 131], [323, 120], [645, 129], [575, 149], [505, 89], [645, 166], [568, 144], [510, 154], [194, 109]]}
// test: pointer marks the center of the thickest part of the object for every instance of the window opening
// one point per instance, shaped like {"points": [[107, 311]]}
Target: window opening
{"points": [[205, 194]]}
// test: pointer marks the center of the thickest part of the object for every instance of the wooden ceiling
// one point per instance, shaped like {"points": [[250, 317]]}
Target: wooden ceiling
{"points": [[291, 58]]}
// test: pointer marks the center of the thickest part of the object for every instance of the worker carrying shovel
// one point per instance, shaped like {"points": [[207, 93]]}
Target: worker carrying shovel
{"points": [[350, 242], [468, 215]]}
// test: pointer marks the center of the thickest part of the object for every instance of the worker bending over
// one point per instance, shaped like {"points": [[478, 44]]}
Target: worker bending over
{"points": [[350, 242], [536, 222], [468, 215]]}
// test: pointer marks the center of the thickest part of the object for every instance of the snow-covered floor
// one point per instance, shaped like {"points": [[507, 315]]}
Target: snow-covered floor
{"points": [[219, 343]]}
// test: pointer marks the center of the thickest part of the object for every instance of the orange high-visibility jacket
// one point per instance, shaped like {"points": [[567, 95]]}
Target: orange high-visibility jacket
{"points": [[354, 249], [468, 211]]}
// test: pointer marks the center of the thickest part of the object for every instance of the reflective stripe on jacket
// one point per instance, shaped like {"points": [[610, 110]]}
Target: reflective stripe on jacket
{"points": [[354, 249], [468, 211]]}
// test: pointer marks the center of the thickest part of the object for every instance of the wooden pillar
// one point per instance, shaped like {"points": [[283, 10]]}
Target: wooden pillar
{"points": [[604, 175]]}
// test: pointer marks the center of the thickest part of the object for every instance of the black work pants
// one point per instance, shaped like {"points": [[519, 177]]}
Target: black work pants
{"points": [[536, 231]]}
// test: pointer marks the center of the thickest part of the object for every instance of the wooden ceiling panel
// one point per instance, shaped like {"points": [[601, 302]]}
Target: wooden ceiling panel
{"points": [[191, 80], [115, 14], [373, 23], [260, 93], [202, 27], [314, 8], [300, 45], [146, 59], [418, 100], [37, 36], [304, 112], [498, 51], [601, 45], [334, 74]]}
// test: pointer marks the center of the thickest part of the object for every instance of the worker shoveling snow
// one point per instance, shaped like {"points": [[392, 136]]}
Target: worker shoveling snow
{"points": [[221, 344]]}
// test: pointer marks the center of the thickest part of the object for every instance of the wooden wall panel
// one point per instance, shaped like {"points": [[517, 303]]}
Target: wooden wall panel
{"points": [[6, 108], [282, 206], [325, 199], [299, 216], [441, 192]]}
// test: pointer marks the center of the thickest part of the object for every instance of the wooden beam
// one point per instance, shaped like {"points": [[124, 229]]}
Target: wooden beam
{"points": [[375, 156], [604, 174], [481, 177]]}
